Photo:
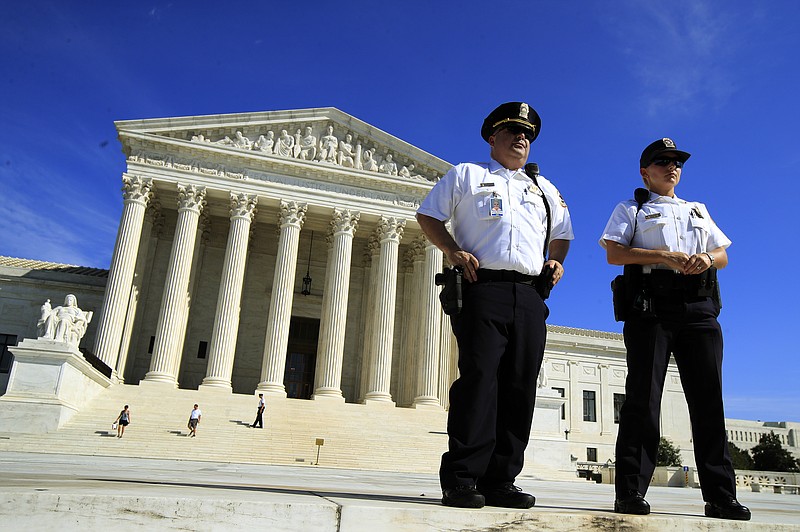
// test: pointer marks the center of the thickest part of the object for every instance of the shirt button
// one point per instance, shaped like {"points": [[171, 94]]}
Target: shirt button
{"points": [[683, 238]]}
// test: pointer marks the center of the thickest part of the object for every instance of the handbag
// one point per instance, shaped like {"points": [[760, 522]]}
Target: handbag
{"points": [[113, 426]]}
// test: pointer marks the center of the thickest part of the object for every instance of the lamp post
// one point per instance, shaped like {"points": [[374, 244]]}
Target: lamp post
{"points": [[307, 279]]}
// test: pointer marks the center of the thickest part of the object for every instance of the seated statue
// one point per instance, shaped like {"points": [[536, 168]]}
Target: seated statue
{"points": [[67, 323], [406, 170], [327, 146], [265, 144], [307, 146], [346, 157], [369, 162], [242, 142], [388, 166], [284, 144]]}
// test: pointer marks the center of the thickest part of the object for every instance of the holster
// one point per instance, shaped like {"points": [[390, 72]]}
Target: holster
{"points": [[628, 292], [450, 280], [544, 282]]}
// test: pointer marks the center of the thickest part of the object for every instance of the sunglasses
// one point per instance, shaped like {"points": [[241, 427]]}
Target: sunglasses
{"points": [[516, 130], [667, 162]]}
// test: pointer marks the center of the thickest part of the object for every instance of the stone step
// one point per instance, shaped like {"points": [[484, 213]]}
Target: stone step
{"points": [[371, 437]]}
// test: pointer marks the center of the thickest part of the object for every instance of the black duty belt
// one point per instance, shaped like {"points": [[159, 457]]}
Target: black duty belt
{"points": [[666, 282], [507, 276]]}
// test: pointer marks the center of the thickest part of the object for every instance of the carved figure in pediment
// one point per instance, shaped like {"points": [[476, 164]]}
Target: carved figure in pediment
{"points": [[368, 161], [406, 170], [65, 323], [307, 149], [388, 166], [346, 156], [227, 141], [284, 144], [359, 163], [200, 138], [242, 142], [327, 146], [265, 144]]}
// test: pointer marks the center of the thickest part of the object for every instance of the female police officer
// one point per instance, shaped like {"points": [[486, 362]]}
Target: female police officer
{"points": [[671, 248]]}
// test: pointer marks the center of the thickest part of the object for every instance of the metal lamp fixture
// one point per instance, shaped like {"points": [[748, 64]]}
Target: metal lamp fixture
{"points": [[307, 279]]}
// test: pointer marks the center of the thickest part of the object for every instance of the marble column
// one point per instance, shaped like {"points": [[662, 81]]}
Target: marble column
{"points": [[136, 192], [153, 219], [430, 330], [291, 217], [407, 336], [330, 351], [390, 231], [416, 254], [226, 319], [371, 256], [171, 320]]}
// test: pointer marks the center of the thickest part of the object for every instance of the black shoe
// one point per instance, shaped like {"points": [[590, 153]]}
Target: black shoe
{"points": [[632, 503], [462, 497], [507, 495], [728, 509]]}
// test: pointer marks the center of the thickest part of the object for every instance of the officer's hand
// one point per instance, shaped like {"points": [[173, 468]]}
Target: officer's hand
{"points": [[558, 270], [468, 263], [697, 263], [676, 260]]}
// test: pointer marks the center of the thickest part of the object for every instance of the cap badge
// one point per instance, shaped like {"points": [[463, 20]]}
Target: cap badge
{"points": [[523, 111], [668, 143]]}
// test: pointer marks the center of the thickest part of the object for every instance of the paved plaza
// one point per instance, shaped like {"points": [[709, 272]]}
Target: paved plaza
{"points": [[69, 492]]}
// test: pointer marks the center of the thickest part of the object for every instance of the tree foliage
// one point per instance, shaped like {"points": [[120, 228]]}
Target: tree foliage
{"points": [[769, 455], [668, 454], [740, 457]]}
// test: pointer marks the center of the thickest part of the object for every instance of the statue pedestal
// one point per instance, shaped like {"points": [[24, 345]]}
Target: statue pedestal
{"points": [[547, 445], [49, 382]]}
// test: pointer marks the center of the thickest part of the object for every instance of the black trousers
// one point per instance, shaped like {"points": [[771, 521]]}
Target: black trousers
{"points": [[689, 330], [501, 336], [259, 419]]}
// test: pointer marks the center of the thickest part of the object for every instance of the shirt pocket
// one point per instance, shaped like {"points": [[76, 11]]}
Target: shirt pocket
{"points": [[482, 202], [654, 233]]}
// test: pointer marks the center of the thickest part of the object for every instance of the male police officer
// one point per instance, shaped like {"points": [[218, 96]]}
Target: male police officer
{"points": [[500, 221], [671, 249]]}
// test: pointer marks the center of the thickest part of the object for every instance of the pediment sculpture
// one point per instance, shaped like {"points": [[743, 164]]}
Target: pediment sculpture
{"points": [[340, 150]]}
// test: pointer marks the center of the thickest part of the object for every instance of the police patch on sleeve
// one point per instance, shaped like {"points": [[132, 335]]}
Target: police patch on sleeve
{"points": [[561, 198]]}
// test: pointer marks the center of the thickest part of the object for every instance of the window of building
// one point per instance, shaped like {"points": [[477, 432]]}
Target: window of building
{"points": [[202, 350], [589, 406], [564, 406], [591, 454], [619, 398], [6, 341]]}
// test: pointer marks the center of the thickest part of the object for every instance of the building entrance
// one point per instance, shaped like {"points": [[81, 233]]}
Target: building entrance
{"points": [[301, 357]]}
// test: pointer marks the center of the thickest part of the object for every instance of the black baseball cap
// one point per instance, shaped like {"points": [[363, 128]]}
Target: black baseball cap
{"points": [[512, 113], [658, 148]]}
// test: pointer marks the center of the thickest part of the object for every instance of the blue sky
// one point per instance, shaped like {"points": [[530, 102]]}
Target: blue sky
{"points": [[607, 78]]}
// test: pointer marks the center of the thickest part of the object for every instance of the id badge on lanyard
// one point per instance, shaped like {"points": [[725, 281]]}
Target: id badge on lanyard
{"points": [[495, 206]]}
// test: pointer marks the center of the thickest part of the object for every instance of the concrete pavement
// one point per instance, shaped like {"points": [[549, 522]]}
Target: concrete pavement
{"points": [[69, 492]]}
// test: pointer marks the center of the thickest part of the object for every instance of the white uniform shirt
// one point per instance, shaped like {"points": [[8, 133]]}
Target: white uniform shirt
{"points": [[664, 223], [511, 238]]}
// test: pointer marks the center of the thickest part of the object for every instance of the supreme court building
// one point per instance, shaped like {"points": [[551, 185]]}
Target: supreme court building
{"points": [[277, 252]]}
